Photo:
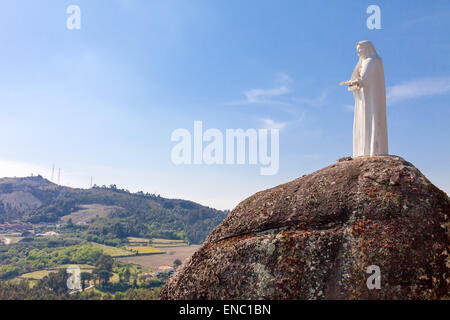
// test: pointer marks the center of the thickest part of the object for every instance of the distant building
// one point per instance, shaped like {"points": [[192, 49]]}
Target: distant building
{"points": [[164, 271], [48, 234], [165, 268]]}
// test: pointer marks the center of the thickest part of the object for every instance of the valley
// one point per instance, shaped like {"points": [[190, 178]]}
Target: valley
{"points": [[126, 245]]}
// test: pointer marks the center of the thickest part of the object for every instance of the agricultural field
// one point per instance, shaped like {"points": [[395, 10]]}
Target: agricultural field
{"points": [[113, 251], [38, 275], [166, 259], [156, 242], [81, 266], [7, 240], [138, 240], [141, 250], [33, 277], [168, 243], [89, 212]]}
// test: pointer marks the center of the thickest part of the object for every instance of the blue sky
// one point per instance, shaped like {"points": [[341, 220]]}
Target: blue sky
{"points": [[103, 101]]}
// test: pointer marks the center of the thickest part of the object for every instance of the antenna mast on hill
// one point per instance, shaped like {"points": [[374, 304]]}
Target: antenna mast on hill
{"points": [[59, 176], [53, 173]]}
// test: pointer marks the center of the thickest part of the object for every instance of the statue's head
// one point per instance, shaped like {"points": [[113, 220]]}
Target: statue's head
{"points": [[365, 49]]}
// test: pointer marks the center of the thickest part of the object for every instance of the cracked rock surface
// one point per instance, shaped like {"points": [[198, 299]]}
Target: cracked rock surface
{"points": [[315, 237]]}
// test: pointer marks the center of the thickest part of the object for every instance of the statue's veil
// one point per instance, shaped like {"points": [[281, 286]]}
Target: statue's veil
{"points": [[370, 53]]}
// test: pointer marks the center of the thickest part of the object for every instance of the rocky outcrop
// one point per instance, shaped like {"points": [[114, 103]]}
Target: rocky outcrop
{"points": [[316, 236]]}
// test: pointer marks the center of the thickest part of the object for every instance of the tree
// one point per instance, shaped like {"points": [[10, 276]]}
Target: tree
{"points": [[118, 230], [127, 275], [177, 263], [85, 276], [103, 269], [55, 282]]}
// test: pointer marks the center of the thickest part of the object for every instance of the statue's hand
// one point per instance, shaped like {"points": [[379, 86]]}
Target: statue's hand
{"points": [[352, 84], [345, 83]]}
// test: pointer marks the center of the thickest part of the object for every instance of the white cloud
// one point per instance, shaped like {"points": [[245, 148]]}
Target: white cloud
{"points": [[280, 98], [271, 124], [272, 96], [418, 88], [284, 78], [264, 95]]}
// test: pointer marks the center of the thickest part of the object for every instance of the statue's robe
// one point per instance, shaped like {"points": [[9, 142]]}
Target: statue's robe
{"points": [[370, 136]]}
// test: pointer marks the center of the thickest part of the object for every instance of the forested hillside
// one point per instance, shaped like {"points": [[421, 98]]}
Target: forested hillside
{"points": [[105, 210]]}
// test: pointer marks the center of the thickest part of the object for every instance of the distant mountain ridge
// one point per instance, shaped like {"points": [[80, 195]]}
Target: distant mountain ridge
{"points": [[38, 200]]}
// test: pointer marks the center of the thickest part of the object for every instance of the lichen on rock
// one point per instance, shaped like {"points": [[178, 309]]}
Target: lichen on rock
{"points": [[314, 237]]}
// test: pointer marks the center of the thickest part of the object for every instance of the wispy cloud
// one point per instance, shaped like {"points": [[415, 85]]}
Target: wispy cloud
{"points": [[265, 95], [272, 124], [294, 120], [280, 95], [418, 88], [271, 96], [284, 78]]}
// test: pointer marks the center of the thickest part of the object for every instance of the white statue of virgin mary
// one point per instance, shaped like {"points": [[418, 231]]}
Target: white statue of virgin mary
{"points": [[368, 86]]}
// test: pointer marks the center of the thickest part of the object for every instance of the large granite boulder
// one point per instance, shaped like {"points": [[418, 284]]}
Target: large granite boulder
{"points": [[316, 236]]}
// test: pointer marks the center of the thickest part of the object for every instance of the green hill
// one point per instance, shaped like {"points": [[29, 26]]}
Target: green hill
{"points": [[105, 210]]}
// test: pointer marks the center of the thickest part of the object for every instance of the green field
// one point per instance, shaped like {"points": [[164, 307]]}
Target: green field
{"points": [[89, 212], [156, 240], [113, 251], [154, 261], [40, 274], [145, 250], [32, 277], [168, 243], [11, 239], [81, 266], [138, 240], [36, 275], [162, 246]]}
